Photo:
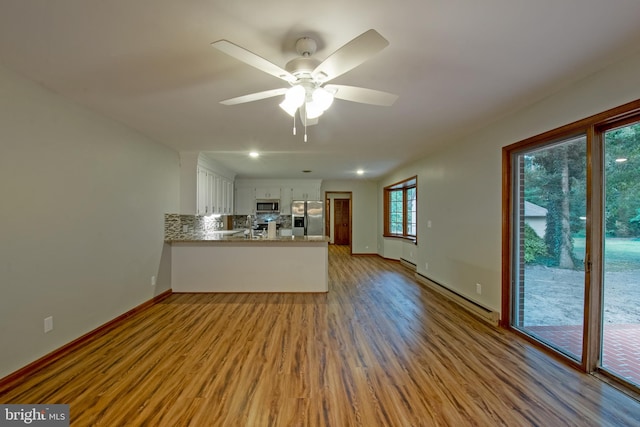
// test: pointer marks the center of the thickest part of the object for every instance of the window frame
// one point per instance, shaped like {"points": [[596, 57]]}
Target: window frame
{"points": [[403, 187]]}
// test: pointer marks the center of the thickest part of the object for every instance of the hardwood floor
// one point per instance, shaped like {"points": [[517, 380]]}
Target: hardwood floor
{"points": [[377, 350]]}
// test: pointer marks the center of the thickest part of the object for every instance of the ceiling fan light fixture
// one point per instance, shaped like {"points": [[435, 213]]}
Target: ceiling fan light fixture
{"points": [[289, 108], [293, 99], [307, 75], [295, 96], [322, 98], [312, 110]]}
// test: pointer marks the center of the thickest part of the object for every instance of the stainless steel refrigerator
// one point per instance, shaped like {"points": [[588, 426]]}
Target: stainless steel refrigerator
{"points": [[307, 218]]}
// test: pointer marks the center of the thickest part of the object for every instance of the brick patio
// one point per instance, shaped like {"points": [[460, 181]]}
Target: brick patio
{"points": [[621, 344]]}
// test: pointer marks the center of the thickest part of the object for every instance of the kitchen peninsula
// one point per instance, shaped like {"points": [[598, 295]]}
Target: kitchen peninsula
{"points": [[229, 261]]}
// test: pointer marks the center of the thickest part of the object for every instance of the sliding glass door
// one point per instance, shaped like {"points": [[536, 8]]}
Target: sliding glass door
{"points": [[549, 195], [620, 342], [571, 240]]}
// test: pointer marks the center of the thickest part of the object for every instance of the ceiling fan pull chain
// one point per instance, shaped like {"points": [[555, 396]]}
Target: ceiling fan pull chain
{"points": [[305, 126]]}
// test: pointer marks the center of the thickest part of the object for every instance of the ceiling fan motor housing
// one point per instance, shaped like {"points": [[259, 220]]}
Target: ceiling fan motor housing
{"points": [[302, 67], [306, 46]]}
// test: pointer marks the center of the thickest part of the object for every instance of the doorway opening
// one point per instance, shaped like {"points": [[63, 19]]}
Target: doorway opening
{"points": [[339, 216]]}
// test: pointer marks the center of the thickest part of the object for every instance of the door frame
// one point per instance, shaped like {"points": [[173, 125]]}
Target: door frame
{"points": [[329, 223], [592, 127]]}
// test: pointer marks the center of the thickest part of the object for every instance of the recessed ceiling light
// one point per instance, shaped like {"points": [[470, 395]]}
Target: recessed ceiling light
{"points": [[360, 172], [254, 154]]}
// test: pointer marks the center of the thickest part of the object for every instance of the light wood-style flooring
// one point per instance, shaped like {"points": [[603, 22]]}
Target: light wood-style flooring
{"points": [[377, 350]]}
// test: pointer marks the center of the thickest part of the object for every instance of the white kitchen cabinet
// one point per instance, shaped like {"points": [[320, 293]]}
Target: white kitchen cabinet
{"points": [[285, 200], [220, 196], [230, 195], [202, 199], [227, 199], [267, 193], [214, 193], [306, 192], [244, 201], [223, 196]]}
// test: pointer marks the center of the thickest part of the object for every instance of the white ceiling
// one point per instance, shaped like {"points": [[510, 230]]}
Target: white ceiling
{"points": [[456, 65]]}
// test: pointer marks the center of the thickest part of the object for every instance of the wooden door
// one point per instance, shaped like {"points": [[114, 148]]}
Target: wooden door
{"points": [[341, 227], [327, 217]]}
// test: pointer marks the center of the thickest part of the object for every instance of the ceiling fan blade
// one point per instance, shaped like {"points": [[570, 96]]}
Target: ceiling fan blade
{"points": [[350, 55], [362, 95], [255, 96], [254, 60]]}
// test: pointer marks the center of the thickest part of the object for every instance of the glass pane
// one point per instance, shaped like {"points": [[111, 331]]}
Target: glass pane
{"points": [[620, 352], [411, 212], [549, 236], [395, 212]]}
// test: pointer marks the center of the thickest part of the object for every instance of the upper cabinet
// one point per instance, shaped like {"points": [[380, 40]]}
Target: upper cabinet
{"points": [[228, 198], [285, 200], [306, 192], [244, 200], [214, 193], [206, 186], [268, 193]]}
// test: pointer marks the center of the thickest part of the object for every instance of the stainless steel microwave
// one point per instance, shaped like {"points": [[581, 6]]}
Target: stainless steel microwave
{"points": [[267, 206]]}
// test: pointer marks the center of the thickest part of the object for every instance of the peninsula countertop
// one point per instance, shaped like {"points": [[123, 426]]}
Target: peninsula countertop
{"points": [[237, 236], [230, 262]]}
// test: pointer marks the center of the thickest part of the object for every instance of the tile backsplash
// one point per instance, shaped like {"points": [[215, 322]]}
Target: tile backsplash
{"points": [[177, 226], [240, 221]]}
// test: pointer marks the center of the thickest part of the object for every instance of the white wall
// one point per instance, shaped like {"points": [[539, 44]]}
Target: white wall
{"points": [[364, 214], [459, 187], [82, 203], [188, 182]]}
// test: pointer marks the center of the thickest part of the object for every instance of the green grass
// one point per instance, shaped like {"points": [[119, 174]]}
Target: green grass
{"points": [[620, 254]]}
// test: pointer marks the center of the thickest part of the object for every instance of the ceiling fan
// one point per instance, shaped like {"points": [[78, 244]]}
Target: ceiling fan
{"points": [[308, 90]]}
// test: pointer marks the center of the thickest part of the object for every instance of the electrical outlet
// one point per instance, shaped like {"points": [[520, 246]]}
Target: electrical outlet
{"points": [[428, 223], [426, 265], [48, 324], [153, 280], [478, 288]]}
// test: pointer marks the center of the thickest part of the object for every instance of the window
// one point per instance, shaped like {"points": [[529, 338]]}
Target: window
{"points": [[400, 209]]}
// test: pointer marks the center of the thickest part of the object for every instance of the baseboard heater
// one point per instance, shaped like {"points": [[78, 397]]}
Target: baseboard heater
{"points": [[483, 313]]}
